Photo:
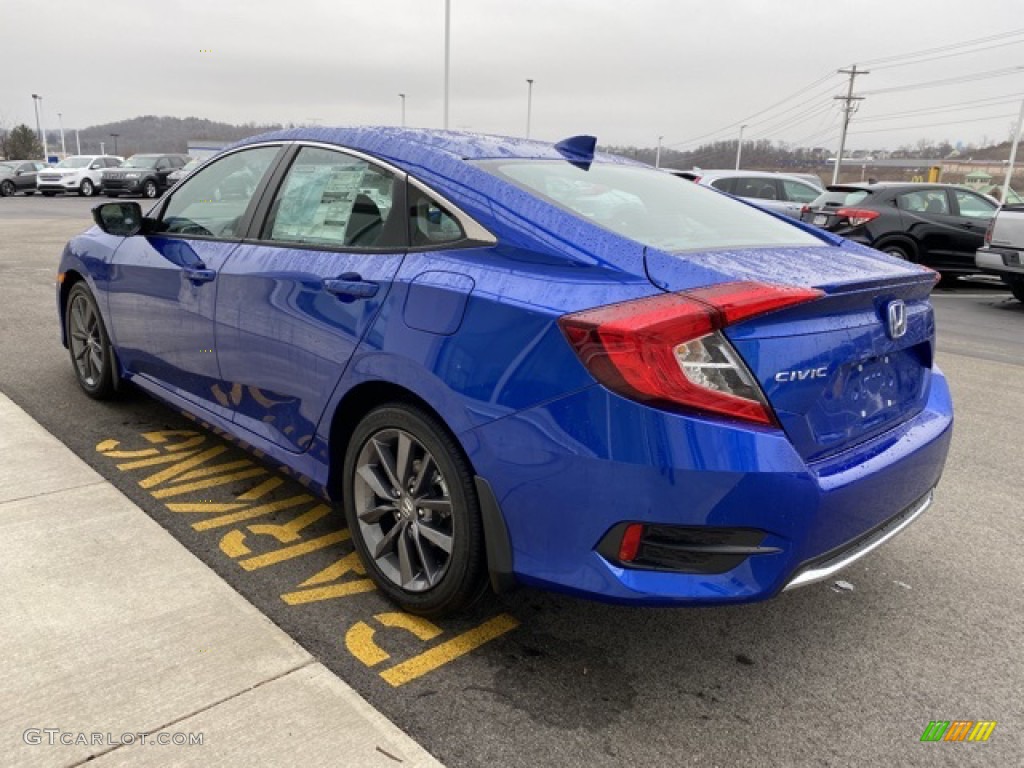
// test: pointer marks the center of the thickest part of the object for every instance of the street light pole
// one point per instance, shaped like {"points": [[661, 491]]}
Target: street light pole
{"points": [[402, 97], [657, 155], [39, 130], [529, 105], [447, 55], [78, 143], [114, 137], [60, 122], [739, 147]]}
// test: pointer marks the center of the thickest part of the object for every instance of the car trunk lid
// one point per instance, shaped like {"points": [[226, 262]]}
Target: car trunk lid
{"points": [[838, 370]]}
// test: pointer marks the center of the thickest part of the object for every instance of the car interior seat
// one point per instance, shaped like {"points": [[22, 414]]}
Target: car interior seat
{"points": [[365, 222]]}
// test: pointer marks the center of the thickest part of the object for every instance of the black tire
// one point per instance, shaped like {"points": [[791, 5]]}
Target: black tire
{"points": [[150, 189], [1017, 289], [88, 344], [86, 188], [7, 188], [899, 251], [427, 559]]}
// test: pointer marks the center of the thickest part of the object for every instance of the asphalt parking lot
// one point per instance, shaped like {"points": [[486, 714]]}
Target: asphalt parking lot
{"points": [[927, 628]]}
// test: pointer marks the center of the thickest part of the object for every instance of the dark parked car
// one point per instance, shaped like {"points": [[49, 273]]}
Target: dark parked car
{"points": [[19, 176], [145, 175], [938, 225], [525, 362]]}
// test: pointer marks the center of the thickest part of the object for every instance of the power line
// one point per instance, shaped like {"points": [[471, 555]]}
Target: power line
{"points": [[949, 80], [985, 49], [894, 129], [966, 105], [948, 47]]}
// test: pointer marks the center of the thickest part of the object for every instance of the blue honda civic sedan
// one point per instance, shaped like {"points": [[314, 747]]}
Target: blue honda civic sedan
{"points": [[515, 362]]}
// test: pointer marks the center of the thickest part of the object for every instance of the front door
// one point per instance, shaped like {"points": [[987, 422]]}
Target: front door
{"points": [[163, 286]]}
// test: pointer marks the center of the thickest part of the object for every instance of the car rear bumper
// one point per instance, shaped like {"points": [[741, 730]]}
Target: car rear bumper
{"points": [[566, 474], [1000, 261]]}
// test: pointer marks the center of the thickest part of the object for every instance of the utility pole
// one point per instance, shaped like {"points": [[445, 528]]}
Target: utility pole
{"points": [[657, 155], [1013, 154], [739, 147], [60, 122], [849, 108], [402, 97], [78, 143], [447, 55]]}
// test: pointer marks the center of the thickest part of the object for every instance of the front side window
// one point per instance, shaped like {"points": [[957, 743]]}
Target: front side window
{"points": [[650, 206], [212, 202], [329, 198], [974, 206]]}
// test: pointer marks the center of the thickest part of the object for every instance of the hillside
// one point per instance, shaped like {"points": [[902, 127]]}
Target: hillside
{"points": [[151, 133]]}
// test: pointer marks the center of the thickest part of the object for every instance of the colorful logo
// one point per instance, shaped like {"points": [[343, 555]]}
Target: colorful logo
{"points": [[958, 730]]}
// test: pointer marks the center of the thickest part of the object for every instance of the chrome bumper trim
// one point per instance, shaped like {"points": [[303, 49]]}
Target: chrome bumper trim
{"points": [[882, 535]]}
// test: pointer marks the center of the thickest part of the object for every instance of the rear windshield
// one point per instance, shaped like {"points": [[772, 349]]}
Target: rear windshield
{"points": [[650, 206], [838, 197], [141, 161]]}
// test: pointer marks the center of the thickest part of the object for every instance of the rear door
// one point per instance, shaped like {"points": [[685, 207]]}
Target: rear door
{"points": [[163, 286], [928, 215], [295, 300]]}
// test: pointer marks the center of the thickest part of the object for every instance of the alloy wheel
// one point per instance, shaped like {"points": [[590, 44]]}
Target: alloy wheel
{"points": [[86, 341], [404, 510]]}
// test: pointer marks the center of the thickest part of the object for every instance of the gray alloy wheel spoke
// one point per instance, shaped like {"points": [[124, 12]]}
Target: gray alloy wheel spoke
{"points": [[96, 363], [81, 352], [429, 572], [405, 557], [402, 463], [372, 479], [387, 544], [438, 538], [375, 514], [425, 466], [387, 461], [435, 505]]}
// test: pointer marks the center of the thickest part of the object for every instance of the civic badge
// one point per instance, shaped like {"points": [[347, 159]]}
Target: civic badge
{"points": [[897, 317]]}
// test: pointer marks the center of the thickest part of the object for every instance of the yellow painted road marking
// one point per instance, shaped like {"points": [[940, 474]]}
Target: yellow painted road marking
{"points": [[261, 490], [163, 458], [289, 532], [182, 466], [448, 651], [178, 490], [350, 563], [195, 474], [346, 589], [106, 447], [203, 506], [249, 514], [233, 544], [417, 625], [295, 550], [359, 641]]}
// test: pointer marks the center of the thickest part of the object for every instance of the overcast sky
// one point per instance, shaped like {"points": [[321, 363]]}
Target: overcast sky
{"points": [[626, 72]]}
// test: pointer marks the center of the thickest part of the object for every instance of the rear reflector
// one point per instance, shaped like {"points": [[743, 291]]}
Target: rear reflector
{"points": [[667, 350], [630, 542]]}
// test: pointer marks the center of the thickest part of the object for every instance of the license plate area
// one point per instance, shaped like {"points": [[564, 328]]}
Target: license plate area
{"points": [[820, 220]]}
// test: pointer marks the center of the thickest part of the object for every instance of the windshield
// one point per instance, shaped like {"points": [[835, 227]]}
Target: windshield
{"points": [[650, 206], [190, 165], [75, 162], [141, 161]]}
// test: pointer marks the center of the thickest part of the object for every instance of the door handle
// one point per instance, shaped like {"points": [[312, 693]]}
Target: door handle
{"points": [[199, 274], [351, 286]]}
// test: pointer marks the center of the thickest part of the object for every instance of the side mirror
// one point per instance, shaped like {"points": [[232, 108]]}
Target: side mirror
{"points": [[120, 219]]}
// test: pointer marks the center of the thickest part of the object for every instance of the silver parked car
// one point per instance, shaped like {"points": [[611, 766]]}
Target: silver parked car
{"points": [[777, 192]]}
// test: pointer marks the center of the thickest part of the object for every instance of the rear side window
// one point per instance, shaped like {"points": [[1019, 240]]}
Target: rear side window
{"points": [[757, 188], [650, 206], [924, 201], [837, 198], [430, 223]]}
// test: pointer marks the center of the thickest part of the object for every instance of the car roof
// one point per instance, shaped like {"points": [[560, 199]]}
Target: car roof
{"points": [[417, 144]]}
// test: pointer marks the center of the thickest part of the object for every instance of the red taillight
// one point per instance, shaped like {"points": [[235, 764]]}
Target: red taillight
{"points": [[988, 230], [857, 216], [805, 209], [630, 542], [667, 351]]}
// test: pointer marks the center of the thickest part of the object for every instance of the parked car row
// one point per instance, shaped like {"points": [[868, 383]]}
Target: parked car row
{"points": [[147, 175]]}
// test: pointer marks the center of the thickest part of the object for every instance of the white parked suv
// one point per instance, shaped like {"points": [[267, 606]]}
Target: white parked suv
{"points": [[779, 192], [78, 173]]}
